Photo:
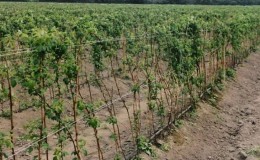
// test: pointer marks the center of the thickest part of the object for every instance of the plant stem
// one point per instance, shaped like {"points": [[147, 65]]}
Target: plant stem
{"points": [[11, 109]]}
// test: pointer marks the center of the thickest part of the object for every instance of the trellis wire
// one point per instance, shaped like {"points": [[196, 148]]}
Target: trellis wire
{"points": [[118, 39], [29, 50], [23, 148]]}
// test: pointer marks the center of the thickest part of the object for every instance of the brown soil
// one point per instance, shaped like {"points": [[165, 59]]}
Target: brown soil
{"points": [[108, 146], [229, 131], [208, 134]]}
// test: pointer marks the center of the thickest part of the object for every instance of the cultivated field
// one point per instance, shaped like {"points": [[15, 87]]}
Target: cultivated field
{"points": [[89, 81]]}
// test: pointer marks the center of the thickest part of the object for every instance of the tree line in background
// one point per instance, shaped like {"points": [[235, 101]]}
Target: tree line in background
{"points": [[203, 2]]}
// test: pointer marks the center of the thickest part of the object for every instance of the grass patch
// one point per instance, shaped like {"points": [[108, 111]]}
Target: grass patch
{"points": [[178, 123], [255, 152], [6, 114]]}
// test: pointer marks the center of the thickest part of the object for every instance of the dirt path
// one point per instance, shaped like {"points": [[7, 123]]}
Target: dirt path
{"points": [[231, 132]]}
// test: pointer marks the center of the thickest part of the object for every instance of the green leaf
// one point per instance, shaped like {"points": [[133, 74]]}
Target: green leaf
{"points": [[93, 122], [13, 82], [30, 149], [80, 105], [85, 152], [112, 120], [113, 137], [5, 155]]}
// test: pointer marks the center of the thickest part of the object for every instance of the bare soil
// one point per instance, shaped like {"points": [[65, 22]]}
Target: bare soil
{"points": [[228, 131]]}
